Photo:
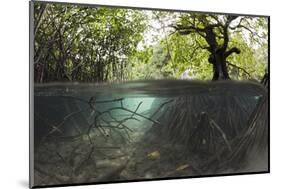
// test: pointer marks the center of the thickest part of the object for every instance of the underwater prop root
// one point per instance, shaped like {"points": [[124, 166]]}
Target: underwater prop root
{"points": [[225, 133]]}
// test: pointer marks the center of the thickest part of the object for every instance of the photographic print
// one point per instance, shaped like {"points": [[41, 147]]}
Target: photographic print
{"points": [[121, 94]]}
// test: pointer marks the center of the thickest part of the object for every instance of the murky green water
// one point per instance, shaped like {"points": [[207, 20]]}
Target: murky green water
{"points": [[85, 132]]}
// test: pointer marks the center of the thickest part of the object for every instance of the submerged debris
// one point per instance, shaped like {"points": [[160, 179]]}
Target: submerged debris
{"points": [[87, 139]]}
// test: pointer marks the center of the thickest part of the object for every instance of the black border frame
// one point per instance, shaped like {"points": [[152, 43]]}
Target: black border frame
{"points": [[31, 88]]}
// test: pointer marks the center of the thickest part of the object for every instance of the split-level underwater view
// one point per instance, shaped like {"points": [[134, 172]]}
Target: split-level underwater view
{"points": [[135, 94]]}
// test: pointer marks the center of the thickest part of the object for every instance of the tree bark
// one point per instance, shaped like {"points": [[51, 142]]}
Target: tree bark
{"points": [[218, 61]]}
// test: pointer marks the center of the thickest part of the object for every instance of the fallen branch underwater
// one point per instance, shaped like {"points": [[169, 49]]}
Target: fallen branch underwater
{"points": [[113, 124]]}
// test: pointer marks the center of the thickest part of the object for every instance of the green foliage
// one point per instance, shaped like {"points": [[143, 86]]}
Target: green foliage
{"points": [[95, 44], [151, 63], [250, 59], [85, 44], [188, 55]]}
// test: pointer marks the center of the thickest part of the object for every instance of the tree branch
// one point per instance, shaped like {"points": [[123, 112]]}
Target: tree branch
{"points": [[186, 30], [239, 68], [225, 31], [240, 25], [38, 23], [232, 50]]}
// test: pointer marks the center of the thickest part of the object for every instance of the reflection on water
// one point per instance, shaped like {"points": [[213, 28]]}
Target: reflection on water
{"points": [[150, 129]]}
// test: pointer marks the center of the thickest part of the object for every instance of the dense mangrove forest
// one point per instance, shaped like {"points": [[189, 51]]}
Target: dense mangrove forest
{"points": [[124, 94]]}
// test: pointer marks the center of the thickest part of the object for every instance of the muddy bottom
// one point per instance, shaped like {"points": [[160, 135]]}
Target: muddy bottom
{"points": [[148, 130]]}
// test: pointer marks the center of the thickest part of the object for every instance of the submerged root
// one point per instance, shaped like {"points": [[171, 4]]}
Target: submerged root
{"points": [[196, 134], [224, 133]]}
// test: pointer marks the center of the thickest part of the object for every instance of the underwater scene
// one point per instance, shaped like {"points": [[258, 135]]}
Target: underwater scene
{"points": [[147, 130], [131, 94]]}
